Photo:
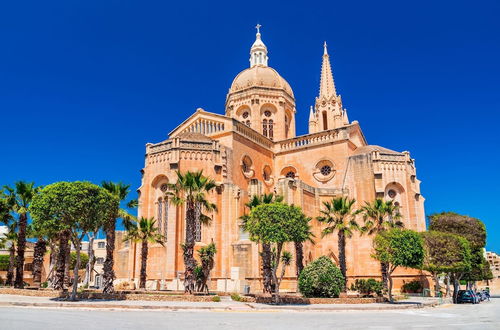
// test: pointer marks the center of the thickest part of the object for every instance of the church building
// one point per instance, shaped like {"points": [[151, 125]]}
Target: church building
{"points": [[252, 148]]}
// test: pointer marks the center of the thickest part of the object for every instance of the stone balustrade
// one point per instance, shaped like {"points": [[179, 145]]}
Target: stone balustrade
{"points": [[310, 140]]}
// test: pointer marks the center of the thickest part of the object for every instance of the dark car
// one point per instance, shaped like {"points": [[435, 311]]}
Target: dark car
{"points": [[467, 296]]}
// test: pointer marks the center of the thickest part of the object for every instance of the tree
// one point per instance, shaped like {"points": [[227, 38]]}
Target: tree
{"points": [[145, 231], [190, 190], [120, 191], [206, 254], [445, 253], [339, 216], [267, 272], [378, 216], [73, 208], [19, 198], [398, 248], [276, 224], [472, 229]]}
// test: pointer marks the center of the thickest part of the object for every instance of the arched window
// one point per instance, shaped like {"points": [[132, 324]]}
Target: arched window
{"points": [[159, 216], [325, 121], [247, 123], [264, 127], [287, 126], [270, 128], [165, 220], [290, 175]]}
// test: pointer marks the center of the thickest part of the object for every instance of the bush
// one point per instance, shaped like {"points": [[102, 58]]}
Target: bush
{"points": [[367, 287], [412, 287], [235, 297], [321, 278], [4, 262], [45, 284], [216, 299]]}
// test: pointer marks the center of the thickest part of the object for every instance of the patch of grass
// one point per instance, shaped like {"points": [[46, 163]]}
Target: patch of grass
{"points": [[216, 299]]}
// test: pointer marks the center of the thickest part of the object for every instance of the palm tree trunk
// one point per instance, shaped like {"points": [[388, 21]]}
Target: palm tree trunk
{"points": [[144, 264], [342, 261], [12, 263], [108, 272], [38, 254], [189, 260], [21, 247], [61, 260], [267, 271], [299, 258]]}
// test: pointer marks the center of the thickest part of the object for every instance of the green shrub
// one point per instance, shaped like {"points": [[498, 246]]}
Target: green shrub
{"points": [[45, 284], [216, 299], [412, 287], [367, 287], [321, 278], [236, 297]]}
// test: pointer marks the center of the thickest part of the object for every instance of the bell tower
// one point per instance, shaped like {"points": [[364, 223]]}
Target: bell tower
{"points": [[328, 112]]}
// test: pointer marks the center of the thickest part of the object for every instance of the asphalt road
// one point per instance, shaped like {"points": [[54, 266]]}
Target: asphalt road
{"points": [[483, 316]]}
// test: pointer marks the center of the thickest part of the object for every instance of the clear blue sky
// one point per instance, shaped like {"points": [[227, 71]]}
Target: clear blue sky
{"points": [[84, 85]]}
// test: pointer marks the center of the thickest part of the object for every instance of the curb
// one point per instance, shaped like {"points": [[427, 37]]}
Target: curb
{"points": [[249, 308]]}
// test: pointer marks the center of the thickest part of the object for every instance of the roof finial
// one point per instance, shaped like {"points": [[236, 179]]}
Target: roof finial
{"points": [[325, 50], [258, 26]]}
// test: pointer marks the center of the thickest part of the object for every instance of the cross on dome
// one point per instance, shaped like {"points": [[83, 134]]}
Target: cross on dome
{"points": [[258, 26]]}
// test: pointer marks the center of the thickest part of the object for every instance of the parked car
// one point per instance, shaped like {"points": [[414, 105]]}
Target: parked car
{"points": [[467, 296]]}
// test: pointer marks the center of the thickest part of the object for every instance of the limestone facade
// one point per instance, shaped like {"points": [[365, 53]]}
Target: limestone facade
{"points": [[253, 149]]}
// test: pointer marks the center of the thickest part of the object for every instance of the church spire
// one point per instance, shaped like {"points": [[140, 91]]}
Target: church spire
{"points": [[327, 85], [258, 52]]}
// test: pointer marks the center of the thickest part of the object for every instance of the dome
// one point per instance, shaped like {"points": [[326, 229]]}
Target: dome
{"points": [[260, 76]]}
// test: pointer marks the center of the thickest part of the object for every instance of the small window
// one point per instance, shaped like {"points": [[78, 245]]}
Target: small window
{"points": [[290, 175], [326, 170], [100, 261], [391, 193], [101, 245], [245, 115], [267, 113]]}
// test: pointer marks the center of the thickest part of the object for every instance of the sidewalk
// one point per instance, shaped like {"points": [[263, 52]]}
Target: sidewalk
{"points": [[226, 304]]}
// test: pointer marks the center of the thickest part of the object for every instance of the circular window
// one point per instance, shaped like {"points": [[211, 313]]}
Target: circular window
{"points": [[391, 193], [326, 170], [164, 187], [267, 113], [290, 175], [245, 114]]}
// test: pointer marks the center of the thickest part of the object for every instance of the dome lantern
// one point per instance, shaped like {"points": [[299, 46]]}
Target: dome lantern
{"points": [[258, 52]]}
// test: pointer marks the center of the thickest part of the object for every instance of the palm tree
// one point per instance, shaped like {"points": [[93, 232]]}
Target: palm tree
{"points": [[206, 254], [191, 189], [145, 231], [267, 270], [43, 238], [378, 216], [120, 191], [19, 199], [339, 216]]}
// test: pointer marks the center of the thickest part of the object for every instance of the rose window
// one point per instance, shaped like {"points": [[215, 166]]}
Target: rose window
{"points": [[164, 187], [267, 113], [245, 114], [326, 170], [290, 175]]}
